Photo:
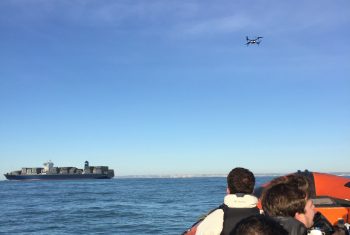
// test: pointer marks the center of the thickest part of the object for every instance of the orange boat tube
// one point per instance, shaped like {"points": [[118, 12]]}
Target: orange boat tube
{"points": [[332, 186], [332, 196]]}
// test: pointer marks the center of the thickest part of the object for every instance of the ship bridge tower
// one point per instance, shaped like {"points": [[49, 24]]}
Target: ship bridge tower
{"points": [[47, 166], [86, 167]]}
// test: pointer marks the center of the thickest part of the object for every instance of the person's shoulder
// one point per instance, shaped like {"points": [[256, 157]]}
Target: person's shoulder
{"points": [[293, 226], [212, 223], [217, 214]]}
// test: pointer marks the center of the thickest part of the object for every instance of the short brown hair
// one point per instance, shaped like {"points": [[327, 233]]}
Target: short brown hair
{"points": [[284, 199], [297, 180], [240, 180]]}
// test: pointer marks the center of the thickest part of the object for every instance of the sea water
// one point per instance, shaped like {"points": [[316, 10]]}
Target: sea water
{"points": [[117, 206]]}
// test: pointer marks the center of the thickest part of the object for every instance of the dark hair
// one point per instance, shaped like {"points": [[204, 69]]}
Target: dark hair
{"points": [[301, 182], [298, 180], [258, 225], [284, 199], [240, 180]]}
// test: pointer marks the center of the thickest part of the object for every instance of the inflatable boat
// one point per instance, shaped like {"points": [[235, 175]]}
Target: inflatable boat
{"points": [[330, 195]]}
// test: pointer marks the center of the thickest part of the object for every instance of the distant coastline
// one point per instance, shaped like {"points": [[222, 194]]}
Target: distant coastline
{"points": [[175, 176], [213, 175]]}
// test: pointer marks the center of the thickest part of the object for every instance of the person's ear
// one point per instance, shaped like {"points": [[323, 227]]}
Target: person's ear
{"points": [[228, 190]]}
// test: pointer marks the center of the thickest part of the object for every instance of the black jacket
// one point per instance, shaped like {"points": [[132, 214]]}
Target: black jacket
{"points": [[293, 226]]}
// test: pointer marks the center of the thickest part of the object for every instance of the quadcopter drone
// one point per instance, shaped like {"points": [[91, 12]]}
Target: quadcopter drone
{"points": [[256, 40]]}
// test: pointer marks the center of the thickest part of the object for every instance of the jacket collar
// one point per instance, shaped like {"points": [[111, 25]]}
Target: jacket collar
{"points": [[240, 200]]}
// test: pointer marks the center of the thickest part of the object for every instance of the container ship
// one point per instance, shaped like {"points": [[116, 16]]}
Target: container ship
{"points": [[49, 172]]}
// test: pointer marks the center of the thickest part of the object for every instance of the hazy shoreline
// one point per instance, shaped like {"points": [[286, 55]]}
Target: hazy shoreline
{"points": [[179, 176], [213, 175]]}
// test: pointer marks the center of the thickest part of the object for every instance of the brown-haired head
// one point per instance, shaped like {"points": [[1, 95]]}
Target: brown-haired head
{"points": [[284, 199], [297, 180], [240, 180]]}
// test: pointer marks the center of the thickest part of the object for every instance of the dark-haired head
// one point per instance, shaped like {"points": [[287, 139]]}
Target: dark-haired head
{"points": [[240, 180], [283, 200]]}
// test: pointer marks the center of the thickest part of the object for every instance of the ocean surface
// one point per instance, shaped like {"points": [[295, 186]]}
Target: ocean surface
{"points": [[117, 206]]}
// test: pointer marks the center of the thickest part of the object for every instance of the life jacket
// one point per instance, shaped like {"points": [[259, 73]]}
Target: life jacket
{"points": [[233, 215]]}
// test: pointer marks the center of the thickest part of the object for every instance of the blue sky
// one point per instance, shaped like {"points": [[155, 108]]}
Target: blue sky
{"points": [[168, 87]]}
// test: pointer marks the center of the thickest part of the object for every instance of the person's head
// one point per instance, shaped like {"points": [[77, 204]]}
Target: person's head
{"points": [[298, 180], [287, 199], [295, 179], [258, 225], [240, 180]]}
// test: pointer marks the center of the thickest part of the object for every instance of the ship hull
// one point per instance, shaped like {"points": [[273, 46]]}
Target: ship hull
{"points": [[58, 177]]}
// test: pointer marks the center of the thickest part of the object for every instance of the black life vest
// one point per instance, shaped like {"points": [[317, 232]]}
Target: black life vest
{"points": [[233, 215]]}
